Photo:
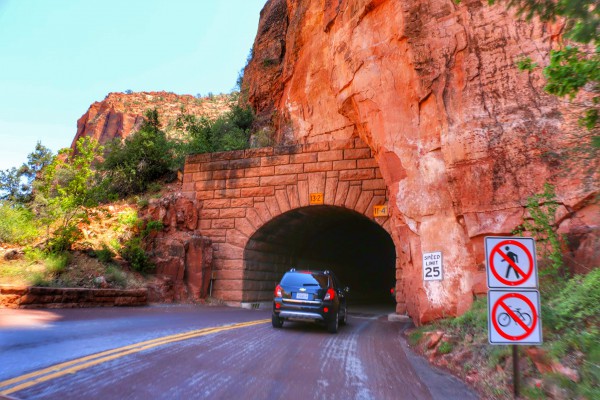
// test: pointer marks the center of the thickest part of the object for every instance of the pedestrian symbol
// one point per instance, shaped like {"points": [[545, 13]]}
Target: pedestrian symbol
{"points": [[511, 262]]}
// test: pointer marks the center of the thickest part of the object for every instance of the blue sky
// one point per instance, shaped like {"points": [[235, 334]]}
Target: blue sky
{"points": [[57, 57]]}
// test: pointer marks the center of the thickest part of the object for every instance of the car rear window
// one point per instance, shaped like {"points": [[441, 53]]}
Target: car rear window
{"points": [[304, 279]]}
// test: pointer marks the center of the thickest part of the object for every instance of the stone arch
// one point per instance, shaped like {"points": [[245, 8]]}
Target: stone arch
{"points": [[358, 249], [238, 192]]}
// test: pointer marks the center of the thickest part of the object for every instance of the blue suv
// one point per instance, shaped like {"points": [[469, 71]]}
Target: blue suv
{"points": [[313, 296]]}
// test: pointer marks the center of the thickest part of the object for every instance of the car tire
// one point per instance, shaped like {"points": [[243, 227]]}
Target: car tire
{"points": [[344, 320], [333, 324], [276, 321]]}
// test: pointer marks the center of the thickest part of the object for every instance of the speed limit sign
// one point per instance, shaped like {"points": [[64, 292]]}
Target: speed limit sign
{"points": [[432, 266]]}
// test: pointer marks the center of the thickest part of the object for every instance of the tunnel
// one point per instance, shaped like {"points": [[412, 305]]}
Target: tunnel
{"points": [[358, 250]]}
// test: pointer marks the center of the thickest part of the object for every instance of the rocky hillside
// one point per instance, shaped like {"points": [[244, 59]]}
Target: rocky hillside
{"points": [[462, 137], [119, 114]]}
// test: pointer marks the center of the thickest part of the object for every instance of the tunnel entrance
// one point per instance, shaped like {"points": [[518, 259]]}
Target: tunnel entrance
{"points": [[358, 250]]}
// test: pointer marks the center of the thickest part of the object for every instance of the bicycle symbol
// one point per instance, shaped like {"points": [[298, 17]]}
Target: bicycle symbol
{"points": [[504, 319]]}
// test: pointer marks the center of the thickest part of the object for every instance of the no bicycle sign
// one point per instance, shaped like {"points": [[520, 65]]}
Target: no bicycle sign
{"points": [[511, 262], [514, 317]]}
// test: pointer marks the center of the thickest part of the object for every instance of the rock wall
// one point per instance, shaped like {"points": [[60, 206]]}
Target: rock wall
{"points": [[462, 137], [120, 114], [45, 297], [183, 258]]}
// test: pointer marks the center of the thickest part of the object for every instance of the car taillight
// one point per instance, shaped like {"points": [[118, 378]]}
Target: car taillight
{"points": [[278, 291], [330, 295]]}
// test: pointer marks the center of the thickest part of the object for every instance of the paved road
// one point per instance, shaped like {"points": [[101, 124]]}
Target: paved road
{"points": [[188, 352]]}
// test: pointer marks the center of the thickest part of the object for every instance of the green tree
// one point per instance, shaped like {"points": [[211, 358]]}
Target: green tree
{"points": [[231, 131], [143, 157], [64, 193], [16, 185], [575, 68]]}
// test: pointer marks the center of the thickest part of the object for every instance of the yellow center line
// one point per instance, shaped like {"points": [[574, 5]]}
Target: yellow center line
{"points": [[58, 370]]}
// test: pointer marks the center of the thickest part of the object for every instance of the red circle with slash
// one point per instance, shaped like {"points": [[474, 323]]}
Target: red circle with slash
{"points": [[528, 329]]}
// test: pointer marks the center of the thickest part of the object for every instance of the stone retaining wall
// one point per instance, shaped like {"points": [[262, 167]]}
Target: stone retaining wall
{"points": [[44, 297]]}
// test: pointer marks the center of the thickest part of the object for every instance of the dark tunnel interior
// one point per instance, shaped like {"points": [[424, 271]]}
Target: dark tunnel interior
{"points": [[359, 251]]}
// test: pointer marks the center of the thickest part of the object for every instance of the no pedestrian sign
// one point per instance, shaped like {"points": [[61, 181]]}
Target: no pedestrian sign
{"points": [[511, 262], [514, 317]]}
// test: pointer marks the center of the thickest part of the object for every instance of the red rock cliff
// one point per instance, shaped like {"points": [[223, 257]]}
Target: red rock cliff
{"points": [[120, 114], [461, 136]]}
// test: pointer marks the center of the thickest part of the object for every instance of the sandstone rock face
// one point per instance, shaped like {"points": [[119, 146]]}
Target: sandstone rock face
{"points": [[120, 114], [182, 257], [462, 137]]}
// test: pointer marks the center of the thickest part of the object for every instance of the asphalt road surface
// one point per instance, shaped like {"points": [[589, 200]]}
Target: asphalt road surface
{"points": [[201, 352]]}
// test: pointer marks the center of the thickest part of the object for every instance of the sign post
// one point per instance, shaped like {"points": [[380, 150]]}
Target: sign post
{"points": [[513, 299]]}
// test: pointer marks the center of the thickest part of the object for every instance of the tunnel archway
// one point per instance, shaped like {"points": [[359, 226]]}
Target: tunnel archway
{"points": [[357, 249]]}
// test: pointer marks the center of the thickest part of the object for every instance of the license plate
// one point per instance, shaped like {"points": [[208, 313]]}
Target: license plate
{"points": [[302, 296]]}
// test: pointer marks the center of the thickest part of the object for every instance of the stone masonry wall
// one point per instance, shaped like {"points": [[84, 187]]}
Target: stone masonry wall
{"points": [[237, 192], [45, 297]]}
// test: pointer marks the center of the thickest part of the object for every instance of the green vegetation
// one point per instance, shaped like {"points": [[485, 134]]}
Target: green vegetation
{"points": [[574, 68], [571, 331], [230, 131], [64, 194], [131, 165], [37, 268], [445, 347], [60, 195], [105, 254], [16, 185], [570, 314], [17, 224], [542, 227], [268, 62], [132, 248]]}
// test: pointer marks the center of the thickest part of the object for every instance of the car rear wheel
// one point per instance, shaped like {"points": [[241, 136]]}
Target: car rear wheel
{"points": [[276, 321], [333, 324]]}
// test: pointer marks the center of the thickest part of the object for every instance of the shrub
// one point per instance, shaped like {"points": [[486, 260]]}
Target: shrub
{"points": [[474, 321], [578, 303], [445, 348], [105, 255], [230, 131], [56, 263], [133, 252], [115, 276], [133, 249], [63, 238], [130, 166], [17, 225]]}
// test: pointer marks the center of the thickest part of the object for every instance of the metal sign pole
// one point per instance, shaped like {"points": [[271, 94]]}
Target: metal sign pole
{"points": [[516, 383]]}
